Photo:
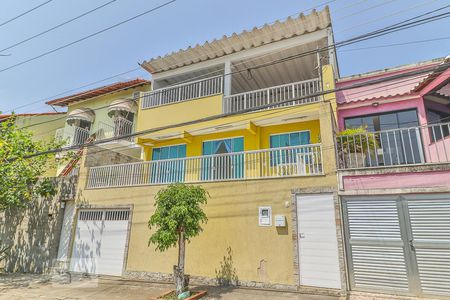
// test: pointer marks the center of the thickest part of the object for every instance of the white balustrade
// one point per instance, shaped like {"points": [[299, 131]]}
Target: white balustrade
{"points": [[72, 135], [120, 127], [305, 160], [274, 95], [182, 92], [403, 146]]}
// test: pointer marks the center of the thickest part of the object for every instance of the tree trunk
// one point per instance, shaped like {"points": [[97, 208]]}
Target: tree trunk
{"points": [[180, 284]]}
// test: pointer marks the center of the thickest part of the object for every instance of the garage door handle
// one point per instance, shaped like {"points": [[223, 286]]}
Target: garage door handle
{"points": [[411, 245]]}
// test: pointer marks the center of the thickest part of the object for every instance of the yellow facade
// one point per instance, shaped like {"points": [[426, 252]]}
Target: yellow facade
{"points": [[259, 254]]}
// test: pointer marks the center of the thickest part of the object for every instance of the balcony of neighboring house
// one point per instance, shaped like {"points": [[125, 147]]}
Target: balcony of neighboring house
{"points": [[113, 126], [78, 127], [410, 146], [410, 128], [304, 160], [120, 123]]}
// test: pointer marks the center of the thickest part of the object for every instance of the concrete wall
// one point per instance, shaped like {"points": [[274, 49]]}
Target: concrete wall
{"points": [[97, 156], [261, 254], [33, 232], [179, 112], [42, 126]]}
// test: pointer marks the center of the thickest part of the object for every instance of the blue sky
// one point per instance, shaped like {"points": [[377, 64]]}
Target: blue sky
{"points": [[184, 23]]}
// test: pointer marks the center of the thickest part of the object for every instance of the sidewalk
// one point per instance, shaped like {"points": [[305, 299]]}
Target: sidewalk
{"points": [[26, 286]]}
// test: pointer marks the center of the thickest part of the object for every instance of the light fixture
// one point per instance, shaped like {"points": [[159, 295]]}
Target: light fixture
{"points": [[375, 104]]}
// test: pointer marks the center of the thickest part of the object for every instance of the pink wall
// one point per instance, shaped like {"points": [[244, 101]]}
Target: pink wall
{"points": [[397, 181], [365, 108]]}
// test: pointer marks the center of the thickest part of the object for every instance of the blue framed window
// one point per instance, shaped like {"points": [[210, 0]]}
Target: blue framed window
{"points": [[288, 140], [223, 166], [168, 170]]}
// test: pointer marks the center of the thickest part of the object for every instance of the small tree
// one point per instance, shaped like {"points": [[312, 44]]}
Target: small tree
{"points": [[178, 218], [19, 175]]}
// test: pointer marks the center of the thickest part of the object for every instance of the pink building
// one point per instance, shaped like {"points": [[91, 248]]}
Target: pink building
{"points": [[394, 178]]}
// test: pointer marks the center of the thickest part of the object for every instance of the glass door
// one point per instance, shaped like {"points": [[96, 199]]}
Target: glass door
{"points": [[219, 163]]}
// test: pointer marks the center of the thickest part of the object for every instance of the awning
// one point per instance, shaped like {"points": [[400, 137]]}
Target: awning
{"points": [[269, 33], [83, 114], [126, 105]]}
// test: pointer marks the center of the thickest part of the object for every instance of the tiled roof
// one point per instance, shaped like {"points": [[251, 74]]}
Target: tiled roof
{"points": [[115, 87], [383, 90], [31, 114], [236, 42]]}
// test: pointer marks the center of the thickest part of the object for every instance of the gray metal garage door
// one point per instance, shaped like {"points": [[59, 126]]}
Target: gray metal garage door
{"points": [[399, 244]]}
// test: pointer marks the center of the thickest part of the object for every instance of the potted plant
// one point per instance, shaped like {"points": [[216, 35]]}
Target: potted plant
{"points": [[354, 144]]}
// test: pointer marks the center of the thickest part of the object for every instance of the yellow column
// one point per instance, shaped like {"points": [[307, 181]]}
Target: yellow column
{"points": [[328, 121]]}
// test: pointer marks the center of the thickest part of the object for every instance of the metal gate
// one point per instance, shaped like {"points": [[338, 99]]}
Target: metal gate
{"points": [[99, 245], [399, 244]]}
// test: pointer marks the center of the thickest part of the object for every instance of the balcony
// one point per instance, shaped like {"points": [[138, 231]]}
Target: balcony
{"points": [[273, 95], [396, 147], [120, 128], [182, 92], [305, 160], [72, 135], [236, 102]]}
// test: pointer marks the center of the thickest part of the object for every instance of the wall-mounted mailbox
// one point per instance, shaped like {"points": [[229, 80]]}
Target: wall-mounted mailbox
{"points": [[265, 216], [280, 220]]}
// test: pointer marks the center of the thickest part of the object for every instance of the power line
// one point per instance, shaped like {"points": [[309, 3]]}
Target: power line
{"points": [[24, 13], [397, 83], [366, 9], [325, 3], [441, 67], [383, 31], [362, 25], [139, 68], [397, 44], [75, 89], [58, 26], [88, 36]]}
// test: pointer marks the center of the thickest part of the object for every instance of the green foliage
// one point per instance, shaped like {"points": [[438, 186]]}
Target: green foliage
{"points": [[19, 176], [178, 208], [356, 140], [227, 275]]}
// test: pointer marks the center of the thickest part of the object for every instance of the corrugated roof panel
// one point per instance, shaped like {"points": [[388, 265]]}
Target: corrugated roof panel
{"points": [[245, 40]]}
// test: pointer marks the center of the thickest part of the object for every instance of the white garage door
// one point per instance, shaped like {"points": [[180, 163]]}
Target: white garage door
{"points": [[318, 248], [100, 241]]}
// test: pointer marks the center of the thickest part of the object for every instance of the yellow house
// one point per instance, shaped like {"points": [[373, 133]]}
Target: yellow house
{"points": [[245, 117], [43, 126]]}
